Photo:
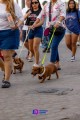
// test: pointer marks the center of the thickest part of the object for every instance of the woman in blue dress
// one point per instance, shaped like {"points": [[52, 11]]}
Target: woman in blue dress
{"points": [[73, 27]]}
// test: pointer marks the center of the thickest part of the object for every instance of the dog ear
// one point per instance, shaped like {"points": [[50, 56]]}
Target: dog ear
{"points": [[14, 60]]}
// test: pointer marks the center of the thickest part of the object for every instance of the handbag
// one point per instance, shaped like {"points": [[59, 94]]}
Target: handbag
{"points": [[60, 30], [49, 30]]}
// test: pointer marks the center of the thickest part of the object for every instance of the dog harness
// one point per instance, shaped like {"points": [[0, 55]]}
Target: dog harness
{"points": [[43, 72]]}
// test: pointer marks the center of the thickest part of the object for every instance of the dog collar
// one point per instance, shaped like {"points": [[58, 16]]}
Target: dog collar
{"points": [[43, 72], [15, 64]]}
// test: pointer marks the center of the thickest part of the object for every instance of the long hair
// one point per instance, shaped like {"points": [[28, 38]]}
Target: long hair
{"points": [[10, 7], [69, 9], [40, 8]]}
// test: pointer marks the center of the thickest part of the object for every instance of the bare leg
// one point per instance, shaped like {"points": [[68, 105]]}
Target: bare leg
{"points": [[36, 49], [31, 41], [7, 54], [74, 41], [68, 41]]}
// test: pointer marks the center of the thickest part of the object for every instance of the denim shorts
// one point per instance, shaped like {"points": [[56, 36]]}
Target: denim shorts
{"points": [[68, 31], [37, 32]]}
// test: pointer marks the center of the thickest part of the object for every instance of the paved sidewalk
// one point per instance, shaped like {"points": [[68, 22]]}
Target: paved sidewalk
{"points": [[27, 94]]}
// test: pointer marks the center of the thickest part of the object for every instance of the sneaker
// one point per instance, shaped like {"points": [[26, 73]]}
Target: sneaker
{"points": [[72, 58], [6, 84], [35, 65], [30, 59], [78, 44]]}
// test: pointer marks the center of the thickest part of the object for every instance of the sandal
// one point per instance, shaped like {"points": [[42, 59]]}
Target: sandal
{"points": [[5, 84]]}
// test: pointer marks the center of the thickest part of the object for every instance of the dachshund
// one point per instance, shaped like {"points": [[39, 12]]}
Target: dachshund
{"points": [[17, 65], [44, 71]]}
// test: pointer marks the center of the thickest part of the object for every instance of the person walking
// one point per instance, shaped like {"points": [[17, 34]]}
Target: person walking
{"points": [[35, 35], [25, 30], [73, 28], [55, 12], [10, 19], [45, 39], [78, 41]]}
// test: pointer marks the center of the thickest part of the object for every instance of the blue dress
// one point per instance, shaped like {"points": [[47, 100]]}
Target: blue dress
{"points": [[72, 21]]}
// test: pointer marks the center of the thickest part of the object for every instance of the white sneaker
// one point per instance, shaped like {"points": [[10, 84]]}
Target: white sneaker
{"points": [[30, 59], [35, 65], [72, 58], [78, 43]]}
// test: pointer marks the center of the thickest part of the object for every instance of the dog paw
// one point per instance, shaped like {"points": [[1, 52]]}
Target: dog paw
{"points": [[14, 72], [41, 81], [39, 77]]}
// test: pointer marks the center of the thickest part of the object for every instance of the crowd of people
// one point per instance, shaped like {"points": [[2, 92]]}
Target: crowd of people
{"points": [[35, 25]]}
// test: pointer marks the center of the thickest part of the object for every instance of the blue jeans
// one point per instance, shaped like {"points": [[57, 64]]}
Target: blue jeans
{"points": [[54, 47]]}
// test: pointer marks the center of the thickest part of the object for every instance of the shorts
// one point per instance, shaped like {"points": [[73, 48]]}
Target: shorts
{"points": [[37, 32], [68, 31]]}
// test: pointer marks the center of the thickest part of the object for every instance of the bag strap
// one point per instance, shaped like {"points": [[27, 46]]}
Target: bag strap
{"points": [[50, 12]]}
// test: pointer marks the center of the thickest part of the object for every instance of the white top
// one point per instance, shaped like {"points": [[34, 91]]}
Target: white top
{"points": [[57, 10], [4, 24], [24, 10]]}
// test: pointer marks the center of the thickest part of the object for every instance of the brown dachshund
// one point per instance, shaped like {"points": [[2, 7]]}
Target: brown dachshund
{"points": [[45, 71], [17, 65]]}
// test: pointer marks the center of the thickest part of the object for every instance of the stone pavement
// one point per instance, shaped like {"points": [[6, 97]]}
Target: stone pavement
{"points": [[60, 98]]}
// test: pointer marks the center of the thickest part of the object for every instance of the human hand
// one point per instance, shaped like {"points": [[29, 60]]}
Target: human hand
{"points": [[32, 27], [28, 13], [14, 27], [56, 25]]}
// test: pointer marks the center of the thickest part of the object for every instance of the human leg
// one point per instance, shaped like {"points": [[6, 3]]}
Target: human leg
{"points": [[36, 49], [7, 54], [54, 48]]}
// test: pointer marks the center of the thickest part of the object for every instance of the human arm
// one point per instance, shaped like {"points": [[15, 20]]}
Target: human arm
{"points": [[19, 16], [39, 21], [27, 14], [62, 15]]}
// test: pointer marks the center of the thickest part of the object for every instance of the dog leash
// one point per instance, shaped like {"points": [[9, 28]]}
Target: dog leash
{"points": [[23, 43], [43, 60]]}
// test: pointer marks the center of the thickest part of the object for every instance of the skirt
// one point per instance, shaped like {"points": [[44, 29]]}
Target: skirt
{"points": [[9, 39]]}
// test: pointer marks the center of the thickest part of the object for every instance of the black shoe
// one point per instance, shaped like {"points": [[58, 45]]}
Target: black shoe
{"points": [[5, 84], [44, 50]]}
